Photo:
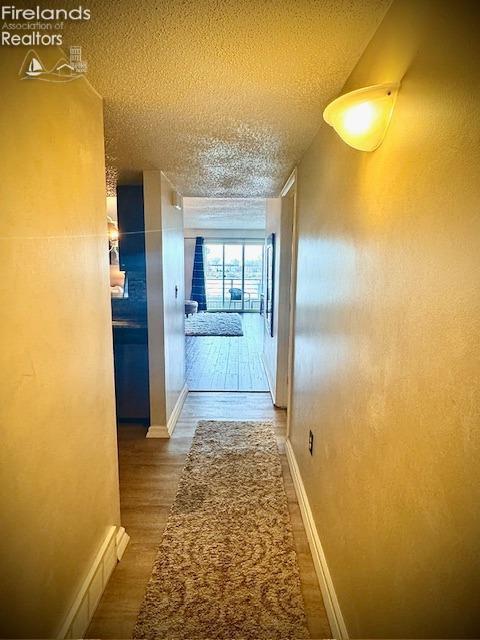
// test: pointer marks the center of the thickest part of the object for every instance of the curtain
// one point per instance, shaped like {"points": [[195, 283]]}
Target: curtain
{"points": [[198, 276]]}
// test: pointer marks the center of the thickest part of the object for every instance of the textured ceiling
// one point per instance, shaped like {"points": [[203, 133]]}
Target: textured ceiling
{"points": [[224, 213], [222, 95]]}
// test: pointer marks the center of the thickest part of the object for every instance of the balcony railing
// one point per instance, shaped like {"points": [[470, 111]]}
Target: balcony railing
{"points": [[219, 296]]}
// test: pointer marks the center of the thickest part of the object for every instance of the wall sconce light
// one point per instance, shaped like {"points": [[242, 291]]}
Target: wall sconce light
{"points": [[113, 233], [361, 117]]}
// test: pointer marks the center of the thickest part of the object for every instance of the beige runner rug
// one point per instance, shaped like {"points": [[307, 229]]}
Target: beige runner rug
{"points": [[226, 566]]}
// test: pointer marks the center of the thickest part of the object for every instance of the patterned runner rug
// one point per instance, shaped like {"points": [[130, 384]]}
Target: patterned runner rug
{"points": [[226, 566], [213, 324]]}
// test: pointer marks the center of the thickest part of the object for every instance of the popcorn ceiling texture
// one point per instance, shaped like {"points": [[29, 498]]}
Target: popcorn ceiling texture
{"points": [[222, 95], [224, 213], [111, 176]]}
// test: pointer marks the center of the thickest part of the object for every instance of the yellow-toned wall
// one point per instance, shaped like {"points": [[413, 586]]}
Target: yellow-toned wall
{"points": [[58, 457], [164, 245], [387, 336], [152, 197], [173, 295]]}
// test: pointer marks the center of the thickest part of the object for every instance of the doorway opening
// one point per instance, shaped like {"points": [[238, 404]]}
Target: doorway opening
{"points": [[224, 340], [224, 287]]}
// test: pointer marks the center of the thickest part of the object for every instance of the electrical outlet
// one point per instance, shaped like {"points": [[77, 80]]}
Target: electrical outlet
{"points": [[310, 442]]}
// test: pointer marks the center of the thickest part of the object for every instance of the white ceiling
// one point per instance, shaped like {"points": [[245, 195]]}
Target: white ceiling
{"points": [[224, 96], [224, 213]]}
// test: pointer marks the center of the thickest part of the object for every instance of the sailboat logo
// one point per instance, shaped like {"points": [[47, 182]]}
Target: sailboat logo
{"points": [[62, 71], [35, 67]]}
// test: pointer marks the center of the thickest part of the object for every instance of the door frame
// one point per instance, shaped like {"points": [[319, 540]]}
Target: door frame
{"points": [[290, 190]]}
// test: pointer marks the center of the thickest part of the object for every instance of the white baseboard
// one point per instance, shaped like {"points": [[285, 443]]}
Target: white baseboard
{"points": [[177, 409], [165, 431], [267, 375], [122, 539], [271, 387], [82, 610], [332, 606], [157, 431]]}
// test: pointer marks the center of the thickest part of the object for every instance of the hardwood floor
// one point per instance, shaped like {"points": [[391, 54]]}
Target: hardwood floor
{"points": [[149, 474], [215, 363]]}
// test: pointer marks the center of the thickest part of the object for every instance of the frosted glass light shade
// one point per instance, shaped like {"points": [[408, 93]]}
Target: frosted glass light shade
{"points": [[113, 234], [361, 117]]}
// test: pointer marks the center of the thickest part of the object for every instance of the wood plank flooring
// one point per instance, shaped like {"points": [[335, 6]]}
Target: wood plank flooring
{"points": [[149, 474], [216, 363]]}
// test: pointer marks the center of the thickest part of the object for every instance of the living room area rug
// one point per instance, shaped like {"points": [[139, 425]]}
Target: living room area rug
{"points": [[226, 566], [213, 324]]}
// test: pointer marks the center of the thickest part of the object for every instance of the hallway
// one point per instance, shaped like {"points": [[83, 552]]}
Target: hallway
{"points": [[149, 473], [317, 161]]}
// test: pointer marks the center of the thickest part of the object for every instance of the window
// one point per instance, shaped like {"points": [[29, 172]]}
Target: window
{"points": [[233, 274]]}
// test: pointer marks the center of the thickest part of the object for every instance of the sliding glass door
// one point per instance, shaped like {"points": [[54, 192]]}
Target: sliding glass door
{"points": [[233, 274]]}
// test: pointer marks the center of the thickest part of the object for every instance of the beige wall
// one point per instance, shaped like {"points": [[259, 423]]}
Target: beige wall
{"points": [[387, 360], [173, 276], [58, 457], [165, 271], [156, 320], [279, 212]]}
